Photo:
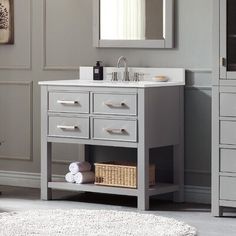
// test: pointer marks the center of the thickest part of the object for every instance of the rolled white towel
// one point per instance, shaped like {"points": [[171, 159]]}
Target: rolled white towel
{"points": [[70, 178], [76, 167], [84, 177]]}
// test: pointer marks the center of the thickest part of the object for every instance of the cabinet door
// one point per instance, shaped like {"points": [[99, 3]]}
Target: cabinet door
{"points": [[228, 39]]}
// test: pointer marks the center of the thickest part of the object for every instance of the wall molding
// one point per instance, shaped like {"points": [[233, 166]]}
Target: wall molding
{"points": [[11, 82], [23, 179], [44, 63], [80, 156], [194, 194], [29, 66], [28, 84], [62, 162]]}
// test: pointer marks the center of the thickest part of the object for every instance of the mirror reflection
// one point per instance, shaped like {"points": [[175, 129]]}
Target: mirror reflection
{"points": [[131, 19]]}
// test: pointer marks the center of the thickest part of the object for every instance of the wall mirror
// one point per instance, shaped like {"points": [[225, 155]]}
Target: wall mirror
{"points": [[133, 23]]}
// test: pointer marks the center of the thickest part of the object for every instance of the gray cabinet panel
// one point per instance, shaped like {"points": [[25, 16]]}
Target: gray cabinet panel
{"points": [[228, 132], [224, 106], [228, 104], [227, 188], [69, 102], [228, 160], [69, 127], [115, 129], [119, 104]]}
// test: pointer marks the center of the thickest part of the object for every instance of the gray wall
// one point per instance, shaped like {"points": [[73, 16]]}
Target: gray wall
{"points": [[54, 37]]}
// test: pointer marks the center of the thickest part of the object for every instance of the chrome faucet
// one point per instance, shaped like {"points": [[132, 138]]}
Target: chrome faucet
{"points": [[126, 72]]}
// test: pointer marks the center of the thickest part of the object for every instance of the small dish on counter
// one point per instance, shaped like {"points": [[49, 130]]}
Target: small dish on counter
{"points": [[160, 78]]}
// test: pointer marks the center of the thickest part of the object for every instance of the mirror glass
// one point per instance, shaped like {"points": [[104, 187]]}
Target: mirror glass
{"points": [[131, 19]]}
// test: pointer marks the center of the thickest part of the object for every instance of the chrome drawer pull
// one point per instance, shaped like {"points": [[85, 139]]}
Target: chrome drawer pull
{"points": [[67, 127], [112, 104], [67, 102], [115, 131]]}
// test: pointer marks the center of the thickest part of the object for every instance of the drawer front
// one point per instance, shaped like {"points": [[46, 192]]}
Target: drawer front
{"points": [[227, 188], [228, 160], [228, 104], [115, 130], [69, 102], [228, 132], [115, 104], [69, 127]]}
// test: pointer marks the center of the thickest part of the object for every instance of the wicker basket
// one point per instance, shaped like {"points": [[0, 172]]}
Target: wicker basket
{"points": [[120, 175]]}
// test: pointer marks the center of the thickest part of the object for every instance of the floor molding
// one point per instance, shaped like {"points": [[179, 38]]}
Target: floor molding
{"points": [[23, 179], [193, 194]]}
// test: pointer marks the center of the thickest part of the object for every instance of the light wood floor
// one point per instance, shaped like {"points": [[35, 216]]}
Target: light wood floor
{"points": [[19, 199]]}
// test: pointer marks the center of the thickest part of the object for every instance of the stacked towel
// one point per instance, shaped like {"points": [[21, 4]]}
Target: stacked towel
{"points": [[70, 178], [76, 167], [84, 177], [80, 173]]}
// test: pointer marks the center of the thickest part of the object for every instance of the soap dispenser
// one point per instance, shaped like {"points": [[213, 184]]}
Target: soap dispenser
{"points": [[98, 71]]}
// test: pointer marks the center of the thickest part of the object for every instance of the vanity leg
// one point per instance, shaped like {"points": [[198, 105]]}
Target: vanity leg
{"points": [[46, 148], [143, 178], [46, 171], [178, 173], [178, 153], [217, 211]]}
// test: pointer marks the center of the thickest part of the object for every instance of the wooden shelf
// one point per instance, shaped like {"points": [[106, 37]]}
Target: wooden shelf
{"points": [[160, 188]]}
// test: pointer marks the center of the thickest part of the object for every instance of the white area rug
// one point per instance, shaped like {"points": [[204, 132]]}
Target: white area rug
{"points": [[90, 223]]}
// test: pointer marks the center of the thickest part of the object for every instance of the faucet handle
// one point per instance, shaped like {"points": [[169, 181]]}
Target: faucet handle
{"points": [[136, 76], [114, 76]]}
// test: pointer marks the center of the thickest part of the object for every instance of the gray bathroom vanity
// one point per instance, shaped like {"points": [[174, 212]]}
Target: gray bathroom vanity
{"points": [[141, 115]]}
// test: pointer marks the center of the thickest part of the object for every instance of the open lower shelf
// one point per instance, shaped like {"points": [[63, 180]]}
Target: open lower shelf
{"points": [[160, 188]]}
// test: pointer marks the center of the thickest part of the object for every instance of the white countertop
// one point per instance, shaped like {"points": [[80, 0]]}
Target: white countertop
{"points": [[89, 83]]}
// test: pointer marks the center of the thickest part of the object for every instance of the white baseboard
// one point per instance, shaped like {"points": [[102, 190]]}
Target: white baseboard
{"points": [[23, 179], [194, 194]]}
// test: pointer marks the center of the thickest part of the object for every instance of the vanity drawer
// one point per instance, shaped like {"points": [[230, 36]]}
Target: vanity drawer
{"points": [[115, 129], [228, 160], [228, 104], [115, 104], [228, 132], [76, 102], [227, 188], [75, 127]]}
